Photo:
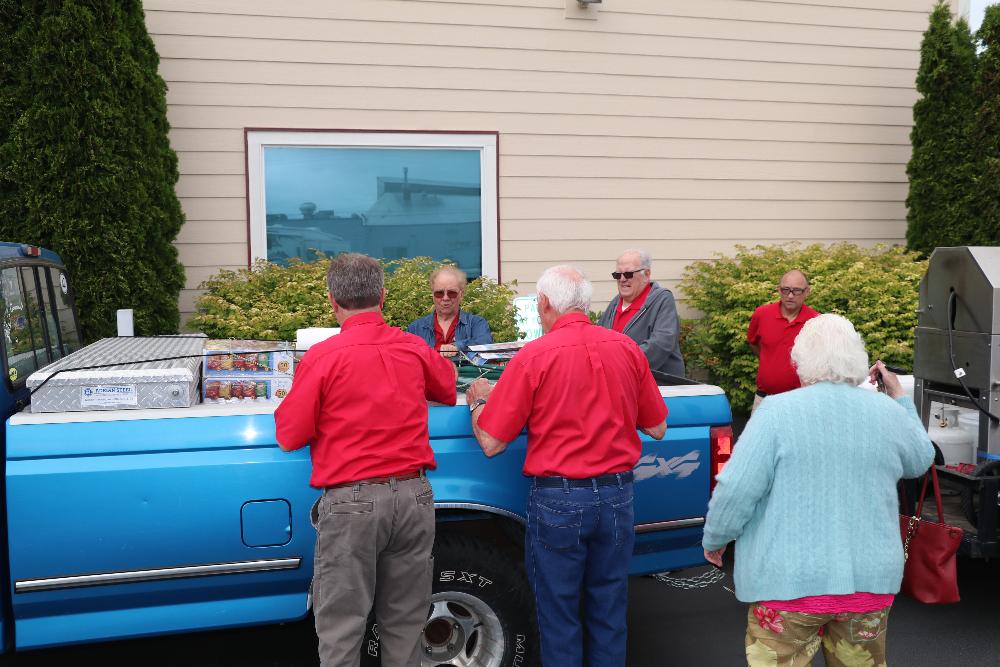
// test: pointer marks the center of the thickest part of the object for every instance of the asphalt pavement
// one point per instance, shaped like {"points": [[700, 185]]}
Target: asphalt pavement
{"points": [[668, 627]]}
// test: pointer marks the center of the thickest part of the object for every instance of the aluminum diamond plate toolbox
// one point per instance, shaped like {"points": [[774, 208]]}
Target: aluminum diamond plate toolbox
{"points": [[171, 383]]}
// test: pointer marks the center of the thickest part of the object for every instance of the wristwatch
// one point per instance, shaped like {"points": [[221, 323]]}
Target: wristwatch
{"points": [[475, 404]]}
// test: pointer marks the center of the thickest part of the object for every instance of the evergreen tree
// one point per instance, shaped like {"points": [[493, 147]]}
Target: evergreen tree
{"points": [[941, 167], [987, 130], [87, 163], [13, 94]]}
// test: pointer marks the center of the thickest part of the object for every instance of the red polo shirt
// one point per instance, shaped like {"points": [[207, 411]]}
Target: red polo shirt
{"points": [[775, 336], [582, 390], [360, 400], [623, 317]]}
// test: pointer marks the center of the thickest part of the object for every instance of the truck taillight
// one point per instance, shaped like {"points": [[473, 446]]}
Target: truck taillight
{"points": [[721, 448]]}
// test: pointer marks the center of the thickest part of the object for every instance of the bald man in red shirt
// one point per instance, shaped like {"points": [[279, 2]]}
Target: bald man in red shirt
{"points": [[582, 390], [359, 400], [772, 332]]}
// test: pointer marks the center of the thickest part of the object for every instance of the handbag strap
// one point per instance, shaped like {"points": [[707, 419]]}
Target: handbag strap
{"points": [[932, 475]]}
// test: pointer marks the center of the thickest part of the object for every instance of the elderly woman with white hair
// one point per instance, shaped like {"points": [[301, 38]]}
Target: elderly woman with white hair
{"points": [[809, 496]]}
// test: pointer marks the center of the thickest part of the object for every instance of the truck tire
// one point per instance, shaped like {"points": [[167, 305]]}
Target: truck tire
{"points": [[482, 612]]}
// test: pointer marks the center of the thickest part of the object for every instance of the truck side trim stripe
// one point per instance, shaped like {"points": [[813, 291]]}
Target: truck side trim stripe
{"points": [[669, 525], [478, 506], [158, 574]]}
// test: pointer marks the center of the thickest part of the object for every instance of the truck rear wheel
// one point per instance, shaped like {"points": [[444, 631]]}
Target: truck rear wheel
{"points": [[482, 613]]}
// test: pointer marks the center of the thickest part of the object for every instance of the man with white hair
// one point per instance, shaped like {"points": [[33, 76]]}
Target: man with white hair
{"points": [[645, 312], [582, 390]]}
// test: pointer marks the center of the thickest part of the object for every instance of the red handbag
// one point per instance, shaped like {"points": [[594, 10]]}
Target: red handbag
{"points": [[930, 573]]}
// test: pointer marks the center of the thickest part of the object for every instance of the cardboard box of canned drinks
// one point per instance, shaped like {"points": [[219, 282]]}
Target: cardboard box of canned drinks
{"points": [[244, 389], [248, 358]]}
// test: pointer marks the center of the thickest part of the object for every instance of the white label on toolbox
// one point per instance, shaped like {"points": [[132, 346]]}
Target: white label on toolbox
{"points": [[109, 394]]}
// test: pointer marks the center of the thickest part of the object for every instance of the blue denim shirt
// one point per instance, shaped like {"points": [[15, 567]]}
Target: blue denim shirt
{"points": [[471, 330]]}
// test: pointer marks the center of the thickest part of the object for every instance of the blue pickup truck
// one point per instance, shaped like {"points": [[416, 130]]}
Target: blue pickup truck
{"points": [[128, 523]]}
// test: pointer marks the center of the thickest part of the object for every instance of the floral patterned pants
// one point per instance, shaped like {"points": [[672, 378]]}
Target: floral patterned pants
{"points": [[791, 639]]}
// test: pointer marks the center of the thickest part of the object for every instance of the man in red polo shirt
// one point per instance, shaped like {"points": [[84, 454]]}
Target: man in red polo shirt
{"points": [[771, 334], [582, 390], [359, 400]]}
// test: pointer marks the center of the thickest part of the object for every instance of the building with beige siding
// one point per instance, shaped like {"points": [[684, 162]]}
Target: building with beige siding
{"points": [[515, 135]]}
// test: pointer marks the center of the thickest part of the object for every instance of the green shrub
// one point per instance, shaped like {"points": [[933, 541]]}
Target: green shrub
{"points": [[877, 290], [270, 302]]}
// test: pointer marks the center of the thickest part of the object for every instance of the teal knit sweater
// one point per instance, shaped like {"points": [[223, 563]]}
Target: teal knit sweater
{"points": [[809, 494]]}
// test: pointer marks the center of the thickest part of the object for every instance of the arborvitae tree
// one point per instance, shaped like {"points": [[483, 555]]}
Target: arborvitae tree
{"points": [[987, 130], [87, 161], [941, 170], [13, 93]]}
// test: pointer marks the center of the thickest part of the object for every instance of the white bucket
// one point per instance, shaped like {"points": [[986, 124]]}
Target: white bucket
{"points": [[306, 338]]}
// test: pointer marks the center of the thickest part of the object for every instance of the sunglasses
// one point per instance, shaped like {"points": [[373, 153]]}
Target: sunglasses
{"points": [[452, 293], [797, 291], [617, 275]]}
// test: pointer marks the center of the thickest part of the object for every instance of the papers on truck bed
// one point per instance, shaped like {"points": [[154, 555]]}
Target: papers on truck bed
{"points": [[494, 352], [513, 346]]}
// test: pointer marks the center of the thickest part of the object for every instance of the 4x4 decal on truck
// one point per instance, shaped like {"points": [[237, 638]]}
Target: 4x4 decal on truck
{"points": [[652, 465]]}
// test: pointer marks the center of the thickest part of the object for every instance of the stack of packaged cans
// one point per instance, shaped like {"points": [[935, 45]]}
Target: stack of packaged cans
{"points": [[246, 370]]}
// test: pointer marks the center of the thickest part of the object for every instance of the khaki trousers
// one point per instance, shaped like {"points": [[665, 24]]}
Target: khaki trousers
{"points": [[373, 547]]}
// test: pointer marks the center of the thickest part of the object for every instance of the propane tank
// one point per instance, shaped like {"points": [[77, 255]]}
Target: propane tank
{"points": [[946, 432]]}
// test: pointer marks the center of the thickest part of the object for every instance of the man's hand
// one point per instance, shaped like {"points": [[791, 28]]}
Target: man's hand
{"points": [[656, 432], [715, 557], [481, 388], [448, 350]]}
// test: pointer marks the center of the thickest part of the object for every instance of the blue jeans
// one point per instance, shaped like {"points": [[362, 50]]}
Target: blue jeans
{"points": [[577, 550]]}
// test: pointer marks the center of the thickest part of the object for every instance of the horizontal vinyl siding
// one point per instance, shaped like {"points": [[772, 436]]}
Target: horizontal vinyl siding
{"points": [[687, 128]]}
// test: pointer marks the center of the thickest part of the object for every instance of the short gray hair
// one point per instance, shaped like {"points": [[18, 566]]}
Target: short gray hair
{"points": [[566, 288], [645, 261], [355, 281], [829, 349], [459, 274]]}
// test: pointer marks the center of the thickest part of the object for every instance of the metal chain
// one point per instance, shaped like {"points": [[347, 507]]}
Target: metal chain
{"points": [[703, 580]]}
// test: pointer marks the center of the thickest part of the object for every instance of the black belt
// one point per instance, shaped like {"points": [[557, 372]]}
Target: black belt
{"points": [[402, 477], [762, 394], [612, 479]]}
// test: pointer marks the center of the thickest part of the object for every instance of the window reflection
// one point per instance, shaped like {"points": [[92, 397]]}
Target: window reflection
{"points": [[385, 202], [69, 336]]}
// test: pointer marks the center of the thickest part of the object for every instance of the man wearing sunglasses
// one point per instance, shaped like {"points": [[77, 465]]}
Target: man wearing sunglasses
{"points": [[448, 328], [771, 334], [645, 312]]}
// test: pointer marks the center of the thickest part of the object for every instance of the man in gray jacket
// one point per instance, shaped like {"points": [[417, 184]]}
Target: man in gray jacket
{"points": [[646, 313]]}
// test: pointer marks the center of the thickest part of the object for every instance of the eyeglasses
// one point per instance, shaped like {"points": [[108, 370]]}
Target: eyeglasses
{"points": [[797, 291], [617, 275], [452, 293]]}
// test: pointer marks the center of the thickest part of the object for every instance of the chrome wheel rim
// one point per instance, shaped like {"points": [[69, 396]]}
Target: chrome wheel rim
{"points": [[461, 631]]}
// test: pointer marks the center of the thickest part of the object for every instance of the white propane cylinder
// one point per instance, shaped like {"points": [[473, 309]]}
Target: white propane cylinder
{"points": [[954, 441]]}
